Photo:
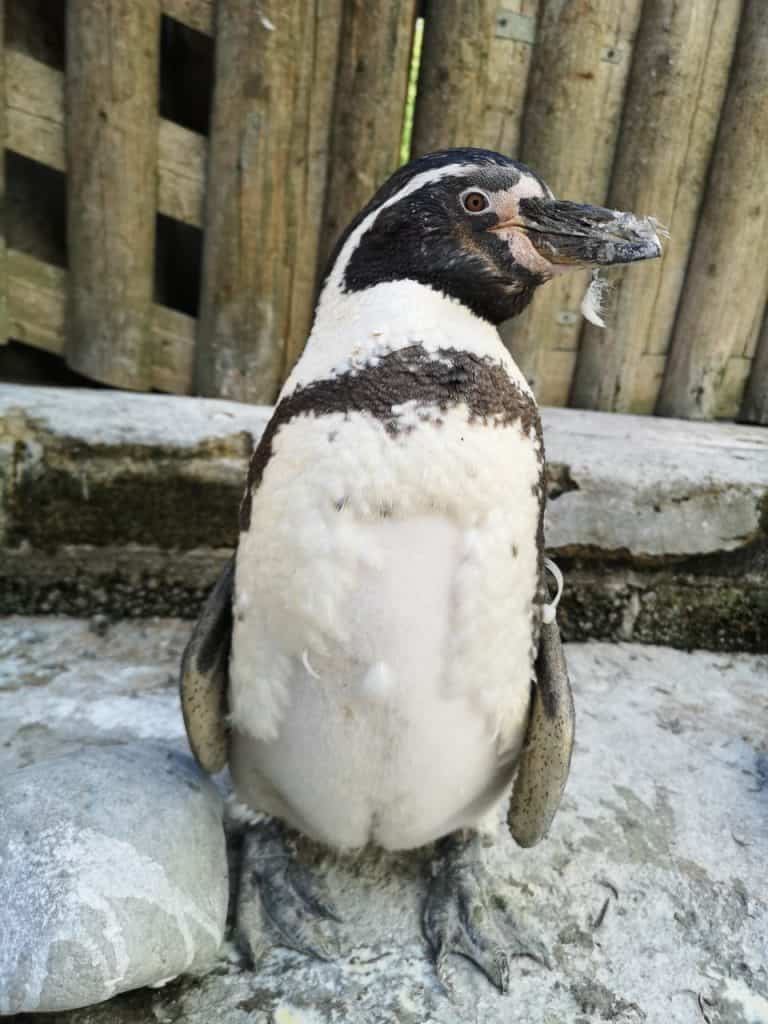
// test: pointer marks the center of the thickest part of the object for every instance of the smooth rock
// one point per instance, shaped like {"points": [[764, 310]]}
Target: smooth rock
{"points": [[113, 875]]}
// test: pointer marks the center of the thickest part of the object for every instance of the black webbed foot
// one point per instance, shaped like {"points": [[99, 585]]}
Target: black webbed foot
{"points": [[278, 893], [457, 919]]}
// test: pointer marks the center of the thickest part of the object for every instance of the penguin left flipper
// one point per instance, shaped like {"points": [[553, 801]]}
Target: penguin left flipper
{"points": [[205, 675], [546, 757]]}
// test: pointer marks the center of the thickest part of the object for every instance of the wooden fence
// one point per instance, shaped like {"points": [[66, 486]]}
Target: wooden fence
{"points": [[176, 172]]}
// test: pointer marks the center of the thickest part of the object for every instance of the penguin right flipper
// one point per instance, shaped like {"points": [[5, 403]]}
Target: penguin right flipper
{"points": [[546, 758], [205, 675]]}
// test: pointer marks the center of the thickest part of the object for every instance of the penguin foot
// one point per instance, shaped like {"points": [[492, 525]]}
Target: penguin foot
{"points": [[456, 917], [278, 893]]}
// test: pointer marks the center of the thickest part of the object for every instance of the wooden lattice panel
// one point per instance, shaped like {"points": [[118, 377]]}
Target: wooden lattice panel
{"points": [[131, 175], [642, 104], [35, 128]]}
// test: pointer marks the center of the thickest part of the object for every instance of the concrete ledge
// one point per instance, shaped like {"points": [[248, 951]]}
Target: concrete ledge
{"points": [[126, 504], [662, 528]]}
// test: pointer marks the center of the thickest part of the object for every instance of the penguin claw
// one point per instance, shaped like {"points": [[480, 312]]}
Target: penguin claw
{"points": [[456, 919], [493, 964], [280, 895]]}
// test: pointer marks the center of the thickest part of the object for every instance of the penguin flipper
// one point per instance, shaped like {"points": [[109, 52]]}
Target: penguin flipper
{"points": [[205, 675], [546, 758]]}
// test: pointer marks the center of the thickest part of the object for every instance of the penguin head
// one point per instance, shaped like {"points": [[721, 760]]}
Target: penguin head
{"points": [[482, 229]]}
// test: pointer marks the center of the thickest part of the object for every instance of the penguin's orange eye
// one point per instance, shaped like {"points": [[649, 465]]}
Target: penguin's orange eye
{"points": [[475, 202]]}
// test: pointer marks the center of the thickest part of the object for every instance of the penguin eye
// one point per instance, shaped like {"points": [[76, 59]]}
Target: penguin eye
{"points": [[475, 202]]}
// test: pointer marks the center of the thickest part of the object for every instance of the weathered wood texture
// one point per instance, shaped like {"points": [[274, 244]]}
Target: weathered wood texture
{"points": [[34, 100], [35, 111], [266, 176], [727, 286], [307, 122], [572, 116], [680, 72], [37, 301], [37, 28], [755, 406], [111, 127], [473, 75], [369, 103], [3, 143], [197, 14]]}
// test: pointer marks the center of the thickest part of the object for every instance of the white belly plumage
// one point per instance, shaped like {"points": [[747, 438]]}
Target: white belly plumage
{"points": [[380, 674]]}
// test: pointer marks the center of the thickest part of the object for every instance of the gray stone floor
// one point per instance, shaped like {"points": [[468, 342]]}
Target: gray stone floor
{"points": [[651, 891]]}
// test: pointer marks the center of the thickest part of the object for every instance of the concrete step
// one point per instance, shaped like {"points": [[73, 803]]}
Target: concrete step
{"points": [[126, 504]]}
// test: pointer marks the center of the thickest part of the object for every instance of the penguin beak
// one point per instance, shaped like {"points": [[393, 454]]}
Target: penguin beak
{"points": [[580, 235]]}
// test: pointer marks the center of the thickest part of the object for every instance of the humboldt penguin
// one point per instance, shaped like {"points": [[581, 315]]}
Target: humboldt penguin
{"points": [[379, 663]]}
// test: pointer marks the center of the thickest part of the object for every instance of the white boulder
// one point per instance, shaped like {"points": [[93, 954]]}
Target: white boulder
{"points": [[113, 875]]}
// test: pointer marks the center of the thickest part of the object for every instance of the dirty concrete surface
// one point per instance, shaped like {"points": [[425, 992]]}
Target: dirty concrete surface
{"points": [[651, 891], [126, 504]]}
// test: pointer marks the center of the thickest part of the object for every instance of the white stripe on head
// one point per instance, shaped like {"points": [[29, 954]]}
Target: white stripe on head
{"points": [[336, 277], [530, 187]]}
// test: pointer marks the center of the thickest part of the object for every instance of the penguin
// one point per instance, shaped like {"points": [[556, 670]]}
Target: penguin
{"points": [[380, 662]]}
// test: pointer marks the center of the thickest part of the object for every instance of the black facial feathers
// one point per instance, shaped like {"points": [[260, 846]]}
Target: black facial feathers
{"points": [[427, 236], [406, 173]]}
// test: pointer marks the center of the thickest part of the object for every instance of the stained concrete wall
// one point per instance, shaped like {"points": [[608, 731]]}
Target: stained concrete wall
{"points": [[126, 505]]}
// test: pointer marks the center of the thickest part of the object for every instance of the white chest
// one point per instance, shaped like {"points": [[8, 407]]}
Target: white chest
{"points": [[384, 598]]}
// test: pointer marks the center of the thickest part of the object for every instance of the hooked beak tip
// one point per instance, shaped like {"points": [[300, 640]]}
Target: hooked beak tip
{"points": [[635, 238]]}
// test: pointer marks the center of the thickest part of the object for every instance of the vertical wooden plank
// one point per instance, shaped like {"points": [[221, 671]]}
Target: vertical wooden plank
{"points": [[473, 76], [266, 167], [755, 406], [111, 127], [312, 142], [371, 88], [676, 90], [727, 283], [573, 110], [3, 120]]}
